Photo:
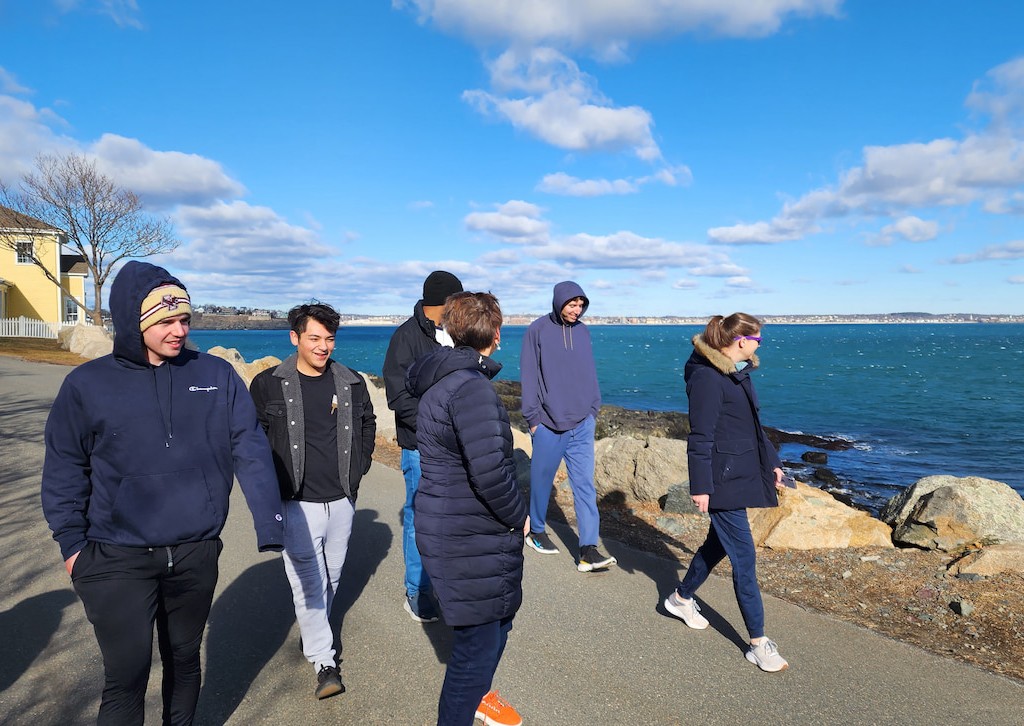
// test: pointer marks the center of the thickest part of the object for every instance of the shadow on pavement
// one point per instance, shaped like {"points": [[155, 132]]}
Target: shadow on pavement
{"points": [[368, 547], [27, 630], [248, 624]]}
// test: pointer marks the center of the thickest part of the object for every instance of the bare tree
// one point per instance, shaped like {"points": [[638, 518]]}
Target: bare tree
{"points": [[103, 222]]}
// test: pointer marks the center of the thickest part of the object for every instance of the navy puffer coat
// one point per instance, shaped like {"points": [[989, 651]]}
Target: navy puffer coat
{"points": [[728, 454], [469, 512]]}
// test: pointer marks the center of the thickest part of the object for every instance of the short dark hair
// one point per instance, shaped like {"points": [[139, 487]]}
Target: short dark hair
{"points": [[323, 313], [472, 318]]}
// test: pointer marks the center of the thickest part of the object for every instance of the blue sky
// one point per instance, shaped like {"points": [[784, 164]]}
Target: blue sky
{"points": [[673, 156]]}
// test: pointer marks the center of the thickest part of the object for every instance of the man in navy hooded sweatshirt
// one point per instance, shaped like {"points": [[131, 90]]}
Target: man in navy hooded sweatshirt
{"points": [[141, 449], [561, 399]]}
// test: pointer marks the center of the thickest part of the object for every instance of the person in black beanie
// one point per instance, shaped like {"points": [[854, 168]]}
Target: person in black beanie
{"points": [[420, 334]]}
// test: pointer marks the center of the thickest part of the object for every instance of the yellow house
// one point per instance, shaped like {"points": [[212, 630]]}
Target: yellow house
{"points": [[25, 291]]}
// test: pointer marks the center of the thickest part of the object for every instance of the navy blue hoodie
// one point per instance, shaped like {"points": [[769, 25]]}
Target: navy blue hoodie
{"points": [[557, 367], [144, 456]]}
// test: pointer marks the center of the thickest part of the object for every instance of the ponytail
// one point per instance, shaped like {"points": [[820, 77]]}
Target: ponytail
{"points": [[720, 332]]}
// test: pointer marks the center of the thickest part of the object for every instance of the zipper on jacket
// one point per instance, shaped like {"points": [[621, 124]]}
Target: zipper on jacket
{"points": [[170, 559]]}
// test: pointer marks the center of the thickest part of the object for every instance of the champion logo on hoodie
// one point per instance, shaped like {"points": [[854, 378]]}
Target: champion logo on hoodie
{"points": [[202, 389]]}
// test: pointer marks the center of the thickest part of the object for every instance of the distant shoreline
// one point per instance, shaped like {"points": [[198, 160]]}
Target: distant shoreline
{"points": [[245, 322]]}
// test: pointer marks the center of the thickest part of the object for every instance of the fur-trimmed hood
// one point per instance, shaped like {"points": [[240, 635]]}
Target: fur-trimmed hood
{"points": [[718, 359]]}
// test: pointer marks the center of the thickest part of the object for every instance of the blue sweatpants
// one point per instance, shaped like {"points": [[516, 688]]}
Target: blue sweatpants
{"points": [[730, 536], [576, 446]]}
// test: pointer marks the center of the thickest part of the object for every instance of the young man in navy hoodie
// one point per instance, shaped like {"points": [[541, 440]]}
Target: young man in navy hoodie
{"points": [[141, 449], [561, 399]]}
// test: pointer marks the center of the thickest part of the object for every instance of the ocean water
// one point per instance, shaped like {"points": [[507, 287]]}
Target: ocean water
{"points": [[915, 400]]}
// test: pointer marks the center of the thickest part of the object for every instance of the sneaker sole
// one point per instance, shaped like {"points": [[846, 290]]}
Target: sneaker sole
{"points": [[749, 656], [330, 691], [417, 618], [676, 612], [602, 565], [488, 721], [543, 551]]}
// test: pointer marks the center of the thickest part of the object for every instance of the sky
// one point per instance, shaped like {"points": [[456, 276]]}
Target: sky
{"points": [[675, 157]]}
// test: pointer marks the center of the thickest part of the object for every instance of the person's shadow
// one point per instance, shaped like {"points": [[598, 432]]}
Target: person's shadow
{"points": [[252, 618], [657, 543], [27, 630]]}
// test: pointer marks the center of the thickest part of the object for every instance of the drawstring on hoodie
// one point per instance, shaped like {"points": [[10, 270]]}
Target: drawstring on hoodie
{"points": [[165, 417], [568, 345]]}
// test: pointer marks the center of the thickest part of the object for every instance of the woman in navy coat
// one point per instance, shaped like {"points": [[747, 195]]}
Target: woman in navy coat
{"points": [[470, 515], [732, 466]]}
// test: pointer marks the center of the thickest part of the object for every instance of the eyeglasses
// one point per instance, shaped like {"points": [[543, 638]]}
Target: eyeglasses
{"points": [[755, 338]]}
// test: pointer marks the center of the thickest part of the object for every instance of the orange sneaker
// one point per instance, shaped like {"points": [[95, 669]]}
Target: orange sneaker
{"points": [[496, 711]]}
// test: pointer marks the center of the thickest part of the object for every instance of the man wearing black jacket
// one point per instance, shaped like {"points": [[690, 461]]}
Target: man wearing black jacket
{"points": [[320, 422], [420, 334]]}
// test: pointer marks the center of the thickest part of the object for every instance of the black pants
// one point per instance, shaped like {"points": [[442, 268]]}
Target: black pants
{"points": [[125, 590]]}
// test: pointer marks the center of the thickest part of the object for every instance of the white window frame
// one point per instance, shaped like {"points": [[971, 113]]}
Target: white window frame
{"points": [[21, 258]]}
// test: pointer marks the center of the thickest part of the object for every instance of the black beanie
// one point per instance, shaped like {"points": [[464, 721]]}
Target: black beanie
{"points": [[438, 286]]}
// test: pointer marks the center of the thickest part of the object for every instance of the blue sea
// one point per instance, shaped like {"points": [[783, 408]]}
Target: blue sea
{"points": [[914, 400]]}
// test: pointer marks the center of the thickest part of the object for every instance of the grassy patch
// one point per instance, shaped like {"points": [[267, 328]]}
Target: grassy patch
{"points": [[39, 350]]}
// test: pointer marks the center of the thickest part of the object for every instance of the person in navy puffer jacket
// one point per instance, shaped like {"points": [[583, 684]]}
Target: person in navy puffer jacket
{"points": [[141, 450], [470, 516]]}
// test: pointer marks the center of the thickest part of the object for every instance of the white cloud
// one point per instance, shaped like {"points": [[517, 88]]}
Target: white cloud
{"points": [[910, 270], [986, 165], [570, 186], [608, 26], [9, 83], [515, 221], [685, 285], [910, 228], [562, 105], [25, 132], [718, 269], [421, 204], [1009, 251], [124, 13], [249, 240], [163, 178], [626, 250], [1016, 280]]}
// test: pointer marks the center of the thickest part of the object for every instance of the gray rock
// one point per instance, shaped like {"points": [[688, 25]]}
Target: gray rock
{"points": [[677, 500], [638, 470], [962, 607], [815, 457], [670, 525], [947, 513]]}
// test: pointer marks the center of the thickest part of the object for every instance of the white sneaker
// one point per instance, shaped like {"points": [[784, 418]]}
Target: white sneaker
{"points": [[766, 657], [686, 610]]}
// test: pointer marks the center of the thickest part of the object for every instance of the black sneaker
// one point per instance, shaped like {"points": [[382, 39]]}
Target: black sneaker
{"points": [[591, 559], [542, 543], [328, 682]]}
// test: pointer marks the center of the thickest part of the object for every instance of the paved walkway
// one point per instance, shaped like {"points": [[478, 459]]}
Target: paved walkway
{"points": [[585, 649]]}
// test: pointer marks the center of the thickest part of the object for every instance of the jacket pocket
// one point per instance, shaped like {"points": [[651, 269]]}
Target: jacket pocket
{"points": [[729, 458], [166, 508]]}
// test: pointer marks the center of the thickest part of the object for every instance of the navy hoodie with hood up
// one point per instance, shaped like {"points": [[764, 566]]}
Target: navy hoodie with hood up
{"points": [[557, 367], [144, 456]]}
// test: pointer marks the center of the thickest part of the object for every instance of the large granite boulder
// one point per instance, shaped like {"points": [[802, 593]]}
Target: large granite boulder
{"points": [[379, 401], [88, 341], [641, 470], [946, 513], [991, 560], [246, 371], [808, 518]]}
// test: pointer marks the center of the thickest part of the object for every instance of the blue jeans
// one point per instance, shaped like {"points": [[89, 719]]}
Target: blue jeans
{"points": [[576, 446], [476, 650], [729, 535], [416, 579]]}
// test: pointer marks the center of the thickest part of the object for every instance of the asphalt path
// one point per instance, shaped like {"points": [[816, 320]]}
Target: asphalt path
{"points": [[585, 648]]}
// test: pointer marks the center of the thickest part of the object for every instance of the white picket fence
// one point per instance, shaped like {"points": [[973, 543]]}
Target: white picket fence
{"points": [[28, 328]]}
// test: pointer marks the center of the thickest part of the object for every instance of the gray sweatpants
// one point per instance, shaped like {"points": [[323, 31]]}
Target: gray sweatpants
{"points": [[316, 538]]}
